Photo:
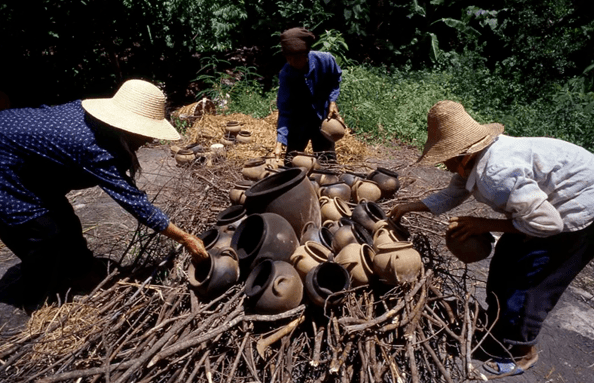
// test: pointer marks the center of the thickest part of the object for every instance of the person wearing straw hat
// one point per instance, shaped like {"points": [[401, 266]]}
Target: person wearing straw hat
{"points": [[545, 189], [47, 152], [309, 85]]}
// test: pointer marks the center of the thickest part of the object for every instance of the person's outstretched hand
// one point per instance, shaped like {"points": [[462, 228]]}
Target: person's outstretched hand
{"points": [[193, 244]]}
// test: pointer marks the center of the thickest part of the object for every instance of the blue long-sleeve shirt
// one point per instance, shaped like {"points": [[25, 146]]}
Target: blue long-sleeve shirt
{"points": [[51, 150], [307, 96]]}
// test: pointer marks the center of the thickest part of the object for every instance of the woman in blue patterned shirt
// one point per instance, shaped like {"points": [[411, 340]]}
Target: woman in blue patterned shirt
{"points": [[49, 151], [545, 189], [309, 85]]}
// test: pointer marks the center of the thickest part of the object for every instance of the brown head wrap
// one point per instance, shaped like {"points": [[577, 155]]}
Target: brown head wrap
{"points": [[296, 40]]}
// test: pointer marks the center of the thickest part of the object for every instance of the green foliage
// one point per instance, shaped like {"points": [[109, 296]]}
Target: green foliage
{"points": [[333, 42]]}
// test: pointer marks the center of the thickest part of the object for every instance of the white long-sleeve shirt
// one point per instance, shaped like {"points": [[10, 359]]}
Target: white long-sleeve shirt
{"points": [[545, 185]]}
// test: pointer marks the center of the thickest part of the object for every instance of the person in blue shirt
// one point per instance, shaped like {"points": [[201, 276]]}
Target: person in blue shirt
{"points": [[544, 187], [47, 152], [309, 85]]}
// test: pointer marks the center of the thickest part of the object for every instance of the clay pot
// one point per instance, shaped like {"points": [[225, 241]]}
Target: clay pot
{"points": [[387, 181], [232, 127], [324, 177], [334, 208], [333, 129], [288, 193], [184, 156], [307, 161], [396, 229], [368, 214], [349, 233], [174, 149], [397, 262], [229, 219], [308, 256], [228, 140], [358, 260], [321, 235], [332, 226], [237, 194], [263, 236], [339, 189], [244, 137], [253, 168], [316, 186], [350, 178], [365, 190], [323, 281], [273, 287], [213, 276], [274, 163], [216, 238], [474, 249]]}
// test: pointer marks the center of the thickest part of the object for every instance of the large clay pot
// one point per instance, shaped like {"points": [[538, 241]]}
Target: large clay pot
{"points": [[336, 190], [308, 256], [324, 177], [237, 194], [273, 287], [474, 249], [368, 214], [288, 193], [334, 208], [229, 219], [365, 190], [333, 129], [214, 275], [253, 168], [348, 233], [321, 235], [303, 160], [324, 280], [263, 236], [387, 181], [358, 260], [397, 262], [350, 178]]}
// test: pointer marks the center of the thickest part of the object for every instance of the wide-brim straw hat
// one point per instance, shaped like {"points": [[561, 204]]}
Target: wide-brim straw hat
{"points": [[451, 132], [137, 107]]}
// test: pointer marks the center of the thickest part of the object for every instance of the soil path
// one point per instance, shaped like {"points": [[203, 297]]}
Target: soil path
{"points": [[566, 341]]}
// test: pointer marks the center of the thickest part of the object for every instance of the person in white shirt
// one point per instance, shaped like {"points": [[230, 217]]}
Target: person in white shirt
{"points": [[545, 189]]}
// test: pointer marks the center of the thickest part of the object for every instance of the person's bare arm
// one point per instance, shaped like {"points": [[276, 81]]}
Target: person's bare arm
{"points": [[463, 227], [192, 243]]}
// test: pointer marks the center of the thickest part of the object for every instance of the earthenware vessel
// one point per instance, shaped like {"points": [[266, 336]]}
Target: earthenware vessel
{"points": [[275, 163], [263, 236], [387, 181], [184, 156], [232, 127], [350, 178], [331, 225], [307, 161], [214, 275], [324, 282], [244, 137], [358, 260], [474, 249], [333, 129], [321, 235], [397, 262], [229, 219], [273, 287], [216, 238], [368, 214], [349, 233], [324, 177], [253, 168], [339, 189], [308, 256], [365, 190], [237, 194], [334, 208], [288, 193], [396, 228], [228, 140]]}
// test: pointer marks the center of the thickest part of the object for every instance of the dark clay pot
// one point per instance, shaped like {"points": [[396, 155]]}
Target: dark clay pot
{"points": [[337, 189], [288, 193], [324, 280], [350, 232], [321, 235], [324, 177], [368, 214], [263, 236], [215, 238], [229, 219], [387, 181], [213, 276], [475, 248], [350, 178], [273, 287]]}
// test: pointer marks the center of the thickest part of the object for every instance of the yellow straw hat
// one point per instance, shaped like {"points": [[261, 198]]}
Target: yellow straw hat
{"points": [[451, 132], [137, 107]]}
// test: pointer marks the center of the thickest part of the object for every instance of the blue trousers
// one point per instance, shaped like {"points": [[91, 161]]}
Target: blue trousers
{"points": [[527, 277]]}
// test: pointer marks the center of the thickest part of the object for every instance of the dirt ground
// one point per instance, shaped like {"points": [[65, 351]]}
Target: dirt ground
{"points": [[566, 342]]}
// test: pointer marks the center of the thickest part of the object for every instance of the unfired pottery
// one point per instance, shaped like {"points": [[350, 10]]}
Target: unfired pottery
{"points": [[474, 249], [333, 129], [308, 256], [387, 181], [365, 190], [334, 208], [358, 260], [214, 275], [337, 189], [273, 287], [397, 263], [324, 282]]}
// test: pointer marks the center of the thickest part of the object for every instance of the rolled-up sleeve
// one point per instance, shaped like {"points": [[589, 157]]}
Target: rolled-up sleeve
{"points": [[448, 198]]}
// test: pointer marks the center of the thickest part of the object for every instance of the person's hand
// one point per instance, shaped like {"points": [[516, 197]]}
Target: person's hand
{"points": [[333, 112], [195, 247], [399, 210], [278, 150], [463, 227]]}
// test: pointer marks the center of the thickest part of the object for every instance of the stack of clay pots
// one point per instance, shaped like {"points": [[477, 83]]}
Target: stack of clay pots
{"points": [[303, 234]]}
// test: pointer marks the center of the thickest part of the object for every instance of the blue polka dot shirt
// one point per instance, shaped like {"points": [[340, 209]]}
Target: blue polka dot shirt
{"points": [[50, 151]]}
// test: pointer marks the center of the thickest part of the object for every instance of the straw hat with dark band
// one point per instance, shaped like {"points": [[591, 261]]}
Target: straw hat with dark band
{"points": [[137, 107], [452, 133]]}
